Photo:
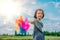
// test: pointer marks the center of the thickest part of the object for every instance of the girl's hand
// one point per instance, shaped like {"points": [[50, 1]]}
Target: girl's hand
{"points": [[31, 21]]}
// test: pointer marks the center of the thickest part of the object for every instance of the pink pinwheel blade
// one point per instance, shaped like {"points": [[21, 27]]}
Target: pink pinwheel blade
{"points": [[26, 25]]}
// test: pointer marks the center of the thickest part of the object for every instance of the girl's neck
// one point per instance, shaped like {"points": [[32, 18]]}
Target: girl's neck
{"points": [[39, 20]]}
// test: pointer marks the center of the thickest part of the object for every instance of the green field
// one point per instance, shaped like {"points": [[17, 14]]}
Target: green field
{"points": [[27, 37], [52, 37]]}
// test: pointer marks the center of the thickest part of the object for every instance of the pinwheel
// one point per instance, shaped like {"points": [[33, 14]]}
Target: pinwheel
{"points": [[22, 24]]}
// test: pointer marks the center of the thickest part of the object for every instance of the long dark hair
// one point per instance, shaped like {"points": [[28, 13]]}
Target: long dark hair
{"points": [[36, 13]]}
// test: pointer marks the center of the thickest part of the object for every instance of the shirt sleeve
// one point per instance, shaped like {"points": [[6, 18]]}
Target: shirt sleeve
{"points": [[38, 24]]}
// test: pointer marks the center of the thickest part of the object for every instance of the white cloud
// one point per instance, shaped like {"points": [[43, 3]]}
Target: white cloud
{"points": [[45, 4], [33, 2], [28, 11], [7, 28], [58, 11], [52, 22], [31, 29], [51, 16], [56, 4]]}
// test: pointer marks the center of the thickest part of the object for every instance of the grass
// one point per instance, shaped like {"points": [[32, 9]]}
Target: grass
{"points": [[28, 37], [52, 37], [15, 37]]}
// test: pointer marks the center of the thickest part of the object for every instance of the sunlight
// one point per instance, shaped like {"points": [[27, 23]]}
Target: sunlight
{"points": [[9, 8]]}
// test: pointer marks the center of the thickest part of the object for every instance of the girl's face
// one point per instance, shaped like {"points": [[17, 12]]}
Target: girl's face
{"points": [[39, 14]]}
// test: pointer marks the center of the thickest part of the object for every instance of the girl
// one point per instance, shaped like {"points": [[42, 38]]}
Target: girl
{"points": [[38, 25]]}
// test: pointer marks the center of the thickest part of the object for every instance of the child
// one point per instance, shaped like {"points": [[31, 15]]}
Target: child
{"points": [[38, 34]]}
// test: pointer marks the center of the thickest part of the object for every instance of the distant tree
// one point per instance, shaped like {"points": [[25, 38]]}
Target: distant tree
{"points": [[15, 32], [51, 33]]}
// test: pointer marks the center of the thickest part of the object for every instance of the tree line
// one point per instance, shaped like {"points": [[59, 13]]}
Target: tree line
{"points": [[45, 33]]}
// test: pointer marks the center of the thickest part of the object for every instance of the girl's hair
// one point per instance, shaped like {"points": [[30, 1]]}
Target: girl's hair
{"points": [[39, 10]]}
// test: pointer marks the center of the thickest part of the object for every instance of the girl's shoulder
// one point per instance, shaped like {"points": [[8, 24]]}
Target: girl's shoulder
{"points": [[38, 21]]}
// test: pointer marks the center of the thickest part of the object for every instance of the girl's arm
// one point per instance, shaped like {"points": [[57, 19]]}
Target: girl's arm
{"points": [[31, 21]]}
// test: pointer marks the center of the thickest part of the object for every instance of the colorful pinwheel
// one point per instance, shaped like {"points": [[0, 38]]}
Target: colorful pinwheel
{"points": [[22, 24]]}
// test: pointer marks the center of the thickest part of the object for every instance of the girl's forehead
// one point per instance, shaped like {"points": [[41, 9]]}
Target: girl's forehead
{"points": [[39, 11]]}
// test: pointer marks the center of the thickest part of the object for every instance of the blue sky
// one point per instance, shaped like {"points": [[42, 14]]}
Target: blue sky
{"points": [[10, 10], [51, 10]]}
